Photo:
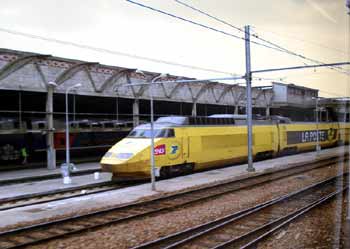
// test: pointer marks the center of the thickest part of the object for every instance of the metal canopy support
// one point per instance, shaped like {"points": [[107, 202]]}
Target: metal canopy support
{"points": [[201, 91], [18, 64], [225, 91], [112, 79], [70, 72], [249, 100], [173, 91], [134, 94]]}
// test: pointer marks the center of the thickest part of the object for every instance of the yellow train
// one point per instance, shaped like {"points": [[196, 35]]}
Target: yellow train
{"points": [[186, 144]]}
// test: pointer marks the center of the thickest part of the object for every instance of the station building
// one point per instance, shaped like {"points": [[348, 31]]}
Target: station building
{"points": [[107, 106]]}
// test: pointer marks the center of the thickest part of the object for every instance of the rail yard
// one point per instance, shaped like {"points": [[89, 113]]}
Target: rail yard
{"points": [[175, 124], [145, 219]]}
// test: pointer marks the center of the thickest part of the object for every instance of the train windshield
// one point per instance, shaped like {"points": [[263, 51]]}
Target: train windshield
{"points": [[146, 133]]}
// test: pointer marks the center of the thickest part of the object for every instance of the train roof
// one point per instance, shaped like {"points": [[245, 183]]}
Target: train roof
{"points": [[217, 119]]}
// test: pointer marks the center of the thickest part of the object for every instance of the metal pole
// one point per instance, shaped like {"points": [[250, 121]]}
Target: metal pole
{"points": [[249, 100], [317, 130], [300, 67], [153, 178], [153, 166], [66, 169], [347, 107]]}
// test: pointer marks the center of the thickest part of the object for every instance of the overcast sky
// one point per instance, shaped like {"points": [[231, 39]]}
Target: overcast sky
{"points": [[316, 29]]}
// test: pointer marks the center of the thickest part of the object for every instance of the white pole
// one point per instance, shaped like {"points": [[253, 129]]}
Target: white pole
{"points": [[347, 108], [65, 170], [153, 166], [153, 178]]}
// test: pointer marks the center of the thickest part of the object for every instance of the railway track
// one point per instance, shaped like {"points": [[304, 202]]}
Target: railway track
{"points": [[246, 228], [39, 233], [61, 194]]}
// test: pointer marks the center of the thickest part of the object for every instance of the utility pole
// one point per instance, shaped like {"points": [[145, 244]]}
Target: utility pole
{"points": [[347, 4], [248, 77]]}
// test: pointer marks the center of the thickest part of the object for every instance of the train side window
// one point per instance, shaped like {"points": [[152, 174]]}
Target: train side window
{"points": [[170, 133], [160, 133]]}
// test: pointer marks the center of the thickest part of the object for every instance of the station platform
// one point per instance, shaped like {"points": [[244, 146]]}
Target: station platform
{"points": [[78, 205], [37, 187], [44, 173]]}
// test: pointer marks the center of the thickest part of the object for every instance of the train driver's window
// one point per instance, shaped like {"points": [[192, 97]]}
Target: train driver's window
{"points": [[170, 133]]}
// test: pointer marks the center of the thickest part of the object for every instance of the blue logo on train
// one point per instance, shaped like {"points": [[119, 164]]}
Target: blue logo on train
{"points": [[174, 149]]}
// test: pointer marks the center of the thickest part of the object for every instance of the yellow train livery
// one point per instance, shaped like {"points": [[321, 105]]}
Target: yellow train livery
{"points": [[187, 144]]}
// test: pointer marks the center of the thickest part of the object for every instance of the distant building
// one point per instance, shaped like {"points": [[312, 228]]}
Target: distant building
{"points": [[293, 95]]}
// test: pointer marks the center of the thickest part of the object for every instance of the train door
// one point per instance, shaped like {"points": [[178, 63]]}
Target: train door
{"points": [[282, 137], [185, 147], [278, 138]]}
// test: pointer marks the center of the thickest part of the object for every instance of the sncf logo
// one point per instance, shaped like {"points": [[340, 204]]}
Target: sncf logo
{"points": [[159, 150], [174, 149]]}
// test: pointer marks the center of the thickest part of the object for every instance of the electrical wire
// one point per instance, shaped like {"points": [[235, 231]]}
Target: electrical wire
{"points": [[282, 49], [108, 51], [294, 38], [201, 25]]}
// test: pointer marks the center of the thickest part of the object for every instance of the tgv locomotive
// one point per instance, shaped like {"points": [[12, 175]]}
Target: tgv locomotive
{"points": [[187, 144]]}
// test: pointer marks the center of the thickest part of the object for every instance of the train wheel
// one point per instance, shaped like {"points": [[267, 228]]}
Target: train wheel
{"points": [[165, 172], [188, 168]]}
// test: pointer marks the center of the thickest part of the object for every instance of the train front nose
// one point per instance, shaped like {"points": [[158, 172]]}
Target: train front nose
{"points": [[126, 158], [111, 160]]}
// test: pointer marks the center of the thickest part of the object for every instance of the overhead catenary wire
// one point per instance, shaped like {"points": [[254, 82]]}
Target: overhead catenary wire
{"points": [[294, 38], [227, 23], [339, 69], [108, 51], [200, 24], [281, 49]]}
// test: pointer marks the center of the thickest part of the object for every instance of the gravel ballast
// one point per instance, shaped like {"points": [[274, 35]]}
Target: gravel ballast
{"points": [[321, 228], [132, 233]]}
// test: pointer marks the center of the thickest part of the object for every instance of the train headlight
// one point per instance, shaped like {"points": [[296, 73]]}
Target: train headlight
{"points": [[108, 154], [124, 156]]}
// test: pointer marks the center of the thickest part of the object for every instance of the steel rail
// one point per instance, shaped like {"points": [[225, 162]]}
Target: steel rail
{"points": [[293, 216], [82, 222], [188, 236], [71, 192]]}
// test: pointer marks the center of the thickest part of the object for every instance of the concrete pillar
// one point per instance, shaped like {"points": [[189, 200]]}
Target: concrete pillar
{"points": [[267, 112], [51, 152], [136, 112], [194, 109], [236, 109]]}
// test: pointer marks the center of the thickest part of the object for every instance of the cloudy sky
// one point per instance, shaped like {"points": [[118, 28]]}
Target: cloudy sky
{"points": [[317, 29]]}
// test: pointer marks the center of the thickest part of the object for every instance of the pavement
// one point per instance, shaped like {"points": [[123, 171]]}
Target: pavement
{"points": [[41, 172], [36, 187], [136, 193]]}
